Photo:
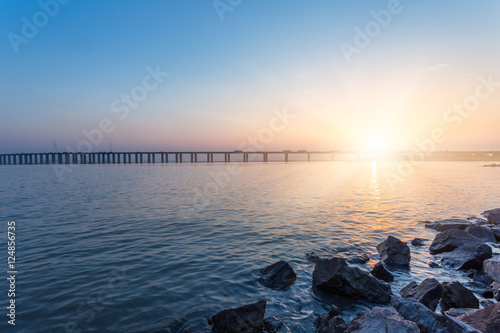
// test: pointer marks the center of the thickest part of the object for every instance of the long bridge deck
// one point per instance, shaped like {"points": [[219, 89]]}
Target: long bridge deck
{"points": [[229, 156]]}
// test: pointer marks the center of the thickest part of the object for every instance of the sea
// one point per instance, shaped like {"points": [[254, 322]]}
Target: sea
{"points": [[163, 247]]}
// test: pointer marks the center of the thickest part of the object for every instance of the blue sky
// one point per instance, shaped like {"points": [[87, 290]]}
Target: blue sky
{"points": [[226, 78]]}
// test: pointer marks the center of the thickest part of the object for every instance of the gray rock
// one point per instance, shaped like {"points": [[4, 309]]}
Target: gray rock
{"points": [[482, 233], [455, 295], [455, 312], [417, 242], [496, 231], [428, 292], [379, 319], [246, 319], [466, 251], [482, 277], [334, 275], [278, 276], [448, 224], [427, 320], [433, 264], [486, 320], [492, 268], [331, 322], [274, 325], [479, 289], [381, 273], [495, 286], [362, 258], [493, 216], [394, 252]]}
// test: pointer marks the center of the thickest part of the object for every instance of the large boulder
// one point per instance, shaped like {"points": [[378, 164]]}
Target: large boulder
{"points": [[274, 325], [331, 322], [334, 275], [380, 319], [466, 251], [278, 276], [455, 295], [428, 292], [394, 252], [493, 216], [427, 320], [246, 319], [448, 224], [381, 273], [492, 268], [482, 233], [486, 320]]}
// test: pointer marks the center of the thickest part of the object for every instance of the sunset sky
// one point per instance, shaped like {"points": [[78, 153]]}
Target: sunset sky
{"points": [[364, 75]]}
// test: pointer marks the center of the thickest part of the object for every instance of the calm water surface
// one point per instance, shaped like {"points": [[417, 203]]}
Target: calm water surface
{"points": [[123, 248]]}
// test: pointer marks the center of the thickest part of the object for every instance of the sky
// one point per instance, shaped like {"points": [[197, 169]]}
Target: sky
{"points": [[203, 75]]}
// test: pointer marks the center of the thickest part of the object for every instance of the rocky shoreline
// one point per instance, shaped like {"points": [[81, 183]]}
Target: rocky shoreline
{"points": [[426, 306]]}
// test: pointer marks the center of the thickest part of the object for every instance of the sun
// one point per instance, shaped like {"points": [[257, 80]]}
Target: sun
{"points": [[374, 144]]}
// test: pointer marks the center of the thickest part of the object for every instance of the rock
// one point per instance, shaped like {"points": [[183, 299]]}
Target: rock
{"points": [[381, 273], [428, 292], [450, 240], [331, 322], [394, 252], [455, 312], [485, 302], [493, 216], [334, 275], [246, 319], [417, 242], [359, 259], [380, 319], [481, 277], [466, 250], [482, 233], [448, 224], [278, 276], [455, 295], [479, 288], [433, 264], [274, 325], [492, 268], [477, 220], [486, 320], [496, 231], [495, 286], [427, 320]]}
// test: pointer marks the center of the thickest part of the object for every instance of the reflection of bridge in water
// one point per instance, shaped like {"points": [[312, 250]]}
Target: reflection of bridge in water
{"points": [[237, 156]]}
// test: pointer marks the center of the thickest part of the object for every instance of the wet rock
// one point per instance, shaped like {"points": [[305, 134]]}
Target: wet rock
{"points": [[278, 276], [427, 320], [331, 322], [477, 220], [428, 292], [482, 233], [492, 268], [495, 286], [448, 224], [466, 251], [380, 319], [455, 295], [455, 312], [485, 302], [496, 231], [274, 325], [479, 289], [394, 252], [493, 216], [381, 273], [334, 275], [481, 277], [486, 320], [359, 259], [433, 264], [246, 319], [417, 242]]}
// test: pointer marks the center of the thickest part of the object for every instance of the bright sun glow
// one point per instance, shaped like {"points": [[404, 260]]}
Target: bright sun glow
{"points": [[375, 144]]}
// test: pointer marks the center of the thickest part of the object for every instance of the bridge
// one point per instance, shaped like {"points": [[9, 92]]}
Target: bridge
{"points": [[230, 156]]}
